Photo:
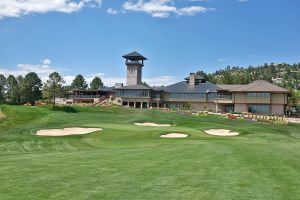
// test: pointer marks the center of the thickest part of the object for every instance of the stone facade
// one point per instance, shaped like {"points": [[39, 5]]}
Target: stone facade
{"points": [[240, 107], [204, 106], [277, 109], [134, 75]]}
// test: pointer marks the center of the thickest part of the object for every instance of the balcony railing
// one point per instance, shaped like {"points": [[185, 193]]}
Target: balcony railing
{"points": [[134, 62], [220, 96], [84, 96]]}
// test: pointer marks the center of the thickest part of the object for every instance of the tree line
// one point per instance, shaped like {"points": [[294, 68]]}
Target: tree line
{"points": [[289, 74], [29, 89]]}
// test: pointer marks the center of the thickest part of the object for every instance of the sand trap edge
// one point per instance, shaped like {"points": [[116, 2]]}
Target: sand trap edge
{"points": [[152, 124], [2, 116], [174, 135], [221, 132], [66, 131]]}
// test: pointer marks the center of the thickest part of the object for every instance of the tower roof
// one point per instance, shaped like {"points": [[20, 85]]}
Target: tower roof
{"points": [[134, 56]]}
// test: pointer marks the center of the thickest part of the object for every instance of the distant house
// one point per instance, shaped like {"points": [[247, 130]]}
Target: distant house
{"points": [[256, 97], [194, 92], [277, 80]]}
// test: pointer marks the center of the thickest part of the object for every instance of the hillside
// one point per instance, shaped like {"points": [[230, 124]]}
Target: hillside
{"points": [[284, 75]]}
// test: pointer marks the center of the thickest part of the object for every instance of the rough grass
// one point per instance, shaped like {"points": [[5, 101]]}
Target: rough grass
{"points": [[125, 161]]}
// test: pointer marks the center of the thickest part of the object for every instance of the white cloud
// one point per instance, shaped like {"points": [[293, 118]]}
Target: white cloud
{"points": [[112, 11], [18, 8], [224, 59], [154, 7], [199, 0], [161, 15], [44, 69], [111, 81], [192, 10], [162, 8], [46, 61], [161, 80]]}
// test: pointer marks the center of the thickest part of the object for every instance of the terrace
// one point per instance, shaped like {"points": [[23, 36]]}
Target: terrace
{"points": [[84, 96]]}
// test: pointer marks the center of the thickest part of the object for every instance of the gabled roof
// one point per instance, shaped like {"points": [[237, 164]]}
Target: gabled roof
{"points": [[158, 88], [183, 87], [134, 56], [86, 90], [134, 87], [108, 89], [228, 87], [256, 86]]}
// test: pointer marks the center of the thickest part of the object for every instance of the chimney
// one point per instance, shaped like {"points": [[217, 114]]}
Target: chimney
{"points": [[192, 79], [118, 85]]}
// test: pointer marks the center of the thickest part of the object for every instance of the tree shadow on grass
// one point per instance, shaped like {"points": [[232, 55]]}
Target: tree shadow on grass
{"points": [[67, 109]]}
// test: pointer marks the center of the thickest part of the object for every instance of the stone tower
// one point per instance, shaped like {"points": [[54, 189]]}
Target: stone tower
{"points": [[134, 63]]}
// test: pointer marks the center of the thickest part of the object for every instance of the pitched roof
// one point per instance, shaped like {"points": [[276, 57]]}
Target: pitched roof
{"points": [[134, 56], [256, 86], [107, 89], [158, 88], [227, 86], [183, 87], [134, 87]]}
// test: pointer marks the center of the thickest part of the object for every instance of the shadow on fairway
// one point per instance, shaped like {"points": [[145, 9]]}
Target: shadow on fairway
{"points": [[67, 109]]}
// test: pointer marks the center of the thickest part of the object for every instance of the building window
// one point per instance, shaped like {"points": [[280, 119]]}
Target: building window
{"points": [[212, 95], [257, 108], [144, 93], [258, 94], [224, 95], [178, 106], [132, 93], [155, 95], [188, 96], [120, 93]]}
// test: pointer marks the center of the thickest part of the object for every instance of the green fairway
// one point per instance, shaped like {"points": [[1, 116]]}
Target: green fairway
{"points": [[125, 161]]}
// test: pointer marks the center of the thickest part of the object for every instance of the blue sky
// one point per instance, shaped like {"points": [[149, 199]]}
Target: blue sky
{"points": [[177, 36]]}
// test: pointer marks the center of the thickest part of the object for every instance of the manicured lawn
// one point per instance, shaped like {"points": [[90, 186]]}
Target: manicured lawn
{"points": [[125, 161]]}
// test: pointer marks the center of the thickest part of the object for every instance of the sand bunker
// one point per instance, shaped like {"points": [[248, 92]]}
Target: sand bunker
{"points": [[67, 131], [2, 116], [174, 135], [152, 124], [221, 132]]}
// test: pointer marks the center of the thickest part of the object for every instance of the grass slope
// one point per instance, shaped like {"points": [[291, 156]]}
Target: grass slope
{"points": [[128, 162]]}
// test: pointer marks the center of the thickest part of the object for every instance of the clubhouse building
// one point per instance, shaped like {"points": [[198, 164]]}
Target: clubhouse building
{"points": [[194, 92]]}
